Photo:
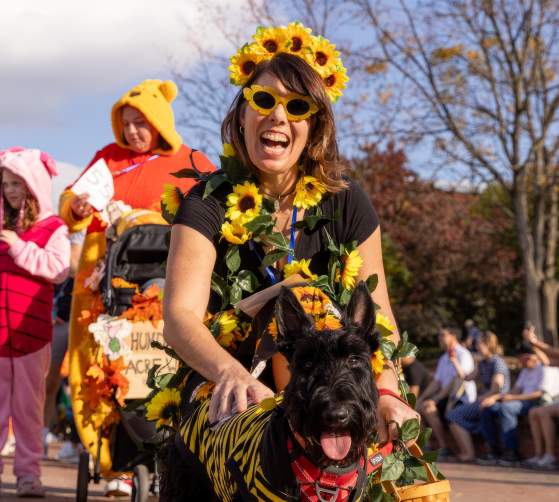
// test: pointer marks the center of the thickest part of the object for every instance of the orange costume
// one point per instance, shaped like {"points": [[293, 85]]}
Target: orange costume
{"points": [[140, 187]]}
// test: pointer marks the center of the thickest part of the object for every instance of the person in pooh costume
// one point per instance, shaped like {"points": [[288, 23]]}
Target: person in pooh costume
{"points": [[147, 150]]}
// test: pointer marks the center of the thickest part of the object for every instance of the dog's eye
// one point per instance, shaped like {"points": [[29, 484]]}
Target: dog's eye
{"points": [[353, 361]]}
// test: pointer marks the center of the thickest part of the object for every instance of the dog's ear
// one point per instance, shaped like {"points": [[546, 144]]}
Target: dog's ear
{"points": [[292, 321], [361, 313]]}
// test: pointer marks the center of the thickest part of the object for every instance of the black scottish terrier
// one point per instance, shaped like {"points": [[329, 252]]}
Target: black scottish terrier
{"points": [[323, 426]]}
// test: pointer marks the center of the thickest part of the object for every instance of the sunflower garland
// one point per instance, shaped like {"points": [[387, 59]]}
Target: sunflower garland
{"points": [[294, 39], [164, 408], [308, 192]]}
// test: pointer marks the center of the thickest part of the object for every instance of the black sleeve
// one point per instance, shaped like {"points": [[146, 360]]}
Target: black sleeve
{"points": [[203, 215], [359, 218]]}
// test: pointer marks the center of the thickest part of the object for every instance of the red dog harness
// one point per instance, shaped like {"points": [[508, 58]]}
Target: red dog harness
{"points": [[333, 484]]}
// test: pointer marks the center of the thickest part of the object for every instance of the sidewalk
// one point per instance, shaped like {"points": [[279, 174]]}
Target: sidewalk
{"points": [[470, 483]]}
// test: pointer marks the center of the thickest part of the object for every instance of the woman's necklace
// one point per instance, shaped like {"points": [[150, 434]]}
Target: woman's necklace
{"points": [[278, 198]]}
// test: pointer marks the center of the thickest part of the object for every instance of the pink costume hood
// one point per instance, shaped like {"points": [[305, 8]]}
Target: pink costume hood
{"points": [[37, 169]]}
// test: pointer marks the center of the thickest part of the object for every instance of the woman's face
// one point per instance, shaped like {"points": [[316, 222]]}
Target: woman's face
{"points": [[483, 349], [138, 132], [13, 188], [274, 144]]}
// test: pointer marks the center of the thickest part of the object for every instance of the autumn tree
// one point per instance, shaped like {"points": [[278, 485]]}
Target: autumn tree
{"points": [[479, 78]]}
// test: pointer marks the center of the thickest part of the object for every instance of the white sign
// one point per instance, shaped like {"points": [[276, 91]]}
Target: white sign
{"points": [[97, 181]]}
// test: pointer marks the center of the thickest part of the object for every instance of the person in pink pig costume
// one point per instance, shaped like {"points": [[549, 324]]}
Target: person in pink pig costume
{"points": [[34, 254]]}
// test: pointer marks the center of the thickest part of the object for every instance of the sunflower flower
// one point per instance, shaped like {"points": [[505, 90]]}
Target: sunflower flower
{"points": [[308, 192], [235, 233], [322, 55], [301, 267], [244, 203], [327, 322], [164, 407], [351, 263], [335, 81], [377, 362], [228, 150], [171, 198], [271, 39], [298, 37], [243, 64], [312, 299]]}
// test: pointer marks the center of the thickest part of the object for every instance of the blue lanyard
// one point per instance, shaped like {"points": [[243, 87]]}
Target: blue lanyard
{"points": [[134, 166], [269, 270]]}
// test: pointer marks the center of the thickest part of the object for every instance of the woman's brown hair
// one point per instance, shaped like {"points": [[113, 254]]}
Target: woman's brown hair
{"points": [[11, 215], [320, 157], [490, 339]]}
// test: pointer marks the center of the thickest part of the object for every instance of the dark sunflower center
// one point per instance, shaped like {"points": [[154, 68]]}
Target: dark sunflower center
{"points": [[296, 44], [270, 45], [309, 187], [307, 298], [248, 67], [246, 203], [169, 411], [330, 81], [321, 58]]}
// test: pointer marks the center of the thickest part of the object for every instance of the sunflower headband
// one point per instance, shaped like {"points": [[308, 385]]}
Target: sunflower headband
{"points": [[297, 40]]}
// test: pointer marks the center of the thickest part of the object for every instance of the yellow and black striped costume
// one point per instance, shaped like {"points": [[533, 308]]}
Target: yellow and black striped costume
{"points": [[232, 453]]}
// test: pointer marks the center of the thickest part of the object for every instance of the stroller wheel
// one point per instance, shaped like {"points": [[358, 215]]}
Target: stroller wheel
{"points": [[83, 477], [141, 484]]}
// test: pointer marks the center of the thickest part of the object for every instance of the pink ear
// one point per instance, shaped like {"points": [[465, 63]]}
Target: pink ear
{"points": [[49, 163]]}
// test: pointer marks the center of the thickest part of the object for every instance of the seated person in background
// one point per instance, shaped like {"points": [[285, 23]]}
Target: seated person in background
{"points": [[494, 377], [542, 418], [448, 388], [527, 392], [416, 374], [472, 333]]}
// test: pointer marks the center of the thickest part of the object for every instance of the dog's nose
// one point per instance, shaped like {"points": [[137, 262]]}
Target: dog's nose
{"points": [[337, 417]]}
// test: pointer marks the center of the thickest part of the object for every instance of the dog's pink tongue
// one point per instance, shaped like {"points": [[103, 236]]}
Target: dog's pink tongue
{"points": [[335, 446]]}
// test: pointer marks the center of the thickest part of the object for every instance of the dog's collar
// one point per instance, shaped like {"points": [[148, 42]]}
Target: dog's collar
{"points": [[331, 484]]}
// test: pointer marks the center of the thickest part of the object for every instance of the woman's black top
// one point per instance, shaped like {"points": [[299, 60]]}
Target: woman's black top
{"points": [[356, 220]]}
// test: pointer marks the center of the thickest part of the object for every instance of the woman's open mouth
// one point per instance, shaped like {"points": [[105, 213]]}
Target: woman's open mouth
{"points": [[274, 142]]}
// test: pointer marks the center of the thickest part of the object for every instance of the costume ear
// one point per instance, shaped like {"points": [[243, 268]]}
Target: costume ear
{"points": [[360, 313], [292, 321]]}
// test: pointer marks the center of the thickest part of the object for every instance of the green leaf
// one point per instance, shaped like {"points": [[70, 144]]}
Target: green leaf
{"points": [[233, 258], [372, 282], [247, 281], [410, 429], [187, 173], [430, 456], [236, 293], [163, 380], [423, 437], [345, 296], [236, 172], [260, 224], [272, 257], [388, 347], [392, 468], [411, 398], [151, 382], [213, 183], [276, 239], [405, 349]]}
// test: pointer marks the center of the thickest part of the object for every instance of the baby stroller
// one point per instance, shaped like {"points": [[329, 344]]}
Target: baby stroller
{"points": [[137, 256]]}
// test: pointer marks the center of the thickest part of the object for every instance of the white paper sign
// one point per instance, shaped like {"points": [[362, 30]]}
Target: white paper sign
{"points": [[97, 181]]}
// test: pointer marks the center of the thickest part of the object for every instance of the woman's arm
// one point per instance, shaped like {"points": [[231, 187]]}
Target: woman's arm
{"points": [[390, 410], [187, 290]]}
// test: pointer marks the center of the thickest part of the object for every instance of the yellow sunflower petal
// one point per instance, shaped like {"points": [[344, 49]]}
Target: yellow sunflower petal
{"points": [[271, 39], [298, 38], [335, 80], [171, 198], [377, 362], [235, 233], [308, 192], [322, 55], [384, 325], [243, 64], [164, 407], [301, 267], [228, 150], [352, 262]]}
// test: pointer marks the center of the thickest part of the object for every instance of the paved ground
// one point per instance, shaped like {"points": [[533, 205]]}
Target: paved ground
{"points": [[469, 483]]}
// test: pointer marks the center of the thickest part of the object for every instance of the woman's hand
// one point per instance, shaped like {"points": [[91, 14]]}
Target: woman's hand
{"points": [[80, 207], [8, 236], [392, 411], [489, 401], [234, 391]]}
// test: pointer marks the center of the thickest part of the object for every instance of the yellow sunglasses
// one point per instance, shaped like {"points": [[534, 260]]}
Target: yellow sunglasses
{"points": [[264, 100]]}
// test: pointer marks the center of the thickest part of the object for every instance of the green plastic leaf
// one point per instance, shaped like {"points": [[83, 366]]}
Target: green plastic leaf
{"points": [[260, 224], [411, 398], [233, 258], [388, 347], [424, 436], [272, 257], [345, 296], [236, 293], [410, 429], [277, 240], [247, 281], [430, 456], [392, 468], [406, 349], [187, 173], [163, 380], [213, 183]]}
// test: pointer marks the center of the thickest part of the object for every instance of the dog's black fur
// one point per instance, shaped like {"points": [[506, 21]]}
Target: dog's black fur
{"points": [[332, 388]]}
